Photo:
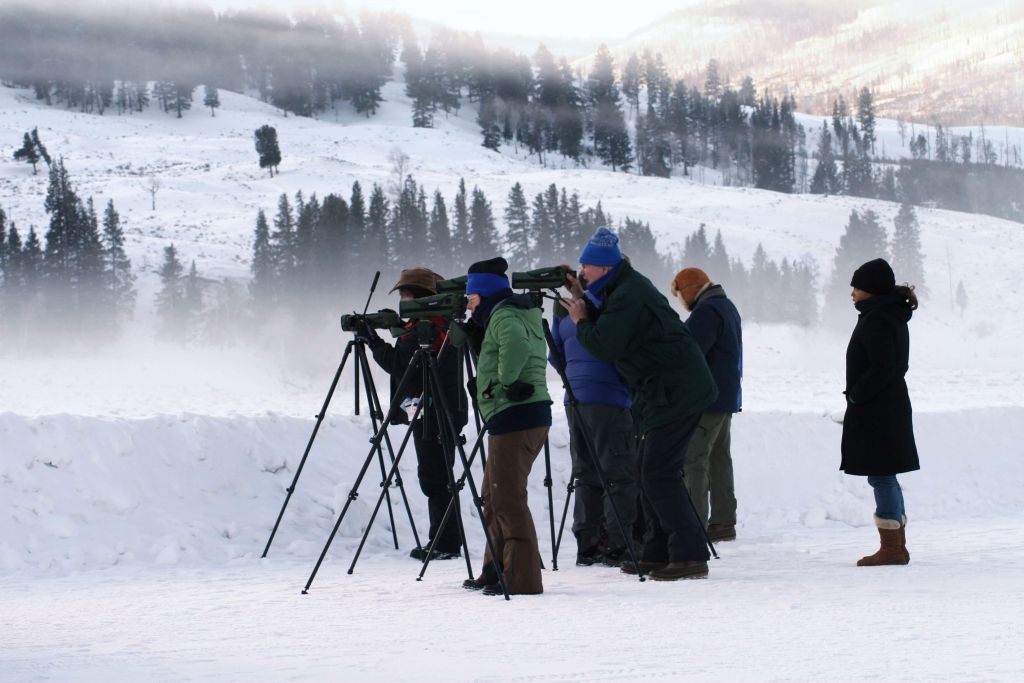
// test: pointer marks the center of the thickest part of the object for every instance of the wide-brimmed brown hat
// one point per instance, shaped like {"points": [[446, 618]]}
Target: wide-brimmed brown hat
{"points": [[423, 278]]}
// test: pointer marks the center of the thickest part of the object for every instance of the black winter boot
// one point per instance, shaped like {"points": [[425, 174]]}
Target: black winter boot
{"points": [[683, 569]]}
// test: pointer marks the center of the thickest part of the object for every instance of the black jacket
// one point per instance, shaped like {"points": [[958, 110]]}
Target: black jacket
{"points": [[395, 359], [878, 430], [716, 327]]}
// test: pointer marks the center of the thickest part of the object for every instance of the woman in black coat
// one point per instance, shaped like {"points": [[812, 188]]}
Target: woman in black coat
{"points": [[878, 430]]}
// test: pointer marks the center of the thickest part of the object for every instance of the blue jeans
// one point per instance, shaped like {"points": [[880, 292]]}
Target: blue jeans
{"points": [[888, 497]]}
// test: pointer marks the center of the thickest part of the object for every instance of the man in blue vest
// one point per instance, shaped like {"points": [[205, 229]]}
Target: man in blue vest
{"points": [[715, 325]]}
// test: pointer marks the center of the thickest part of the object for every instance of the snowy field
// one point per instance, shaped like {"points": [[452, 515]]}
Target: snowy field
{"points": [[138, 483]]}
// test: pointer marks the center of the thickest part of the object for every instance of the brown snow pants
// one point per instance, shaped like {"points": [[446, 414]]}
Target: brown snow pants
{"points": [[506, 512]]}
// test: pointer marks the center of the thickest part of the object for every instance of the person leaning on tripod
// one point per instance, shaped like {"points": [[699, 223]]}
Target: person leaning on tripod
{"points": [[715, 325], [604, 422], [434, 461], [878, 430], [511, 392], [636, 329]]}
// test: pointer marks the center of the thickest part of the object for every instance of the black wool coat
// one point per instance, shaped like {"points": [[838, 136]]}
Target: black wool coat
{"points": [[878, 430]]}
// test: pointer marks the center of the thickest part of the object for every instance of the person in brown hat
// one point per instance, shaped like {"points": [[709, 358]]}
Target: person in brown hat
{"points": [[434, 462], [716, 326]]}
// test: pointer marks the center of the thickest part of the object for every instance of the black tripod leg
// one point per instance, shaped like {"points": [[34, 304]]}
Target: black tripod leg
{"points": [[309, 444], [551, 503], [383, 494], [574, 406], [354, 492], [469, 477], [365, 368], [453, 504], [700, 523], [570, 487], [375, 410]]}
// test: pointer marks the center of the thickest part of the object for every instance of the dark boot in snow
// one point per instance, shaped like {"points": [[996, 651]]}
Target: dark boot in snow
{"points": [[438, 554], [588, 557], [891, 550], [646, 566], [487, 577], [721, 532], [683, 569], [614, 557]]}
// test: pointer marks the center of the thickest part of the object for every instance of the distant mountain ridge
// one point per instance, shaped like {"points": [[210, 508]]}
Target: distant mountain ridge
{"points": [[949, 62]]}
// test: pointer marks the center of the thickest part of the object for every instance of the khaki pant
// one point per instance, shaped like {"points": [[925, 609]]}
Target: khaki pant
{"points": [[708, 469], [506, 511]]}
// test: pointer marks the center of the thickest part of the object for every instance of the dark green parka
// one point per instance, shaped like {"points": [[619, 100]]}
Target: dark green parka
{"points": [[637, 330]]}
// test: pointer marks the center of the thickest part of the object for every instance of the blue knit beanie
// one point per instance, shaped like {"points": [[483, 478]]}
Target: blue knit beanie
{"points": [[487, 278], [602, 249]]}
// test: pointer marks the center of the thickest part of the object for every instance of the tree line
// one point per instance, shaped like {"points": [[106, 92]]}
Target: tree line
{"points": [[125, 56], [75, 281]]}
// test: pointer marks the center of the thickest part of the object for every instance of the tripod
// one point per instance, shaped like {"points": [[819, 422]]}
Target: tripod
{"points": [[425, 361], [361, 368]]}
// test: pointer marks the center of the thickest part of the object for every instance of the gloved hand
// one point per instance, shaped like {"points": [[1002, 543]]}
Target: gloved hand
{"points": [[366, 333], [519, 390], [471, 388]]}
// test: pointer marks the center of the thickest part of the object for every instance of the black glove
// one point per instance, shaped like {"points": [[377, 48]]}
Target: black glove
{"points": [[366, 333], [519, 390]]}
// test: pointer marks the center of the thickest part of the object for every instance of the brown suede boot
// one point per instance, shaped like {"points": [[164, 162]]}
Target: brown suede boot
{"points": [[891, 550], [903, 540]]}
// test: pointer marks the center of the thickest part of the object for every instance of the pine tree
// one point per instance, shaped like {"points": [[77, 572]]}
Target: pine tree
{"points": [[483, 234], [262, 286], [40, 147], [718, 260], [27, 153], [267, 148], [696, 250], [517, 229], [826, 175], [866, 118], [118, 270], [211, 99], [631, 82], [542, 227], [62, 236], [439, 254], [283, 245], [170, 299], [863, 241], [611, 140], [377, 219], [181, 98], [192, 301], [460, 233], [907, 259], [488, 121], [961, 297]]}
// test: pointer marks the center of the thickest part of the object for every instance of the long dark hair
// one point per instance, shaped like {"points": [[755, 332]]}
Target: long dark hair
{"points": [[906, 292]]}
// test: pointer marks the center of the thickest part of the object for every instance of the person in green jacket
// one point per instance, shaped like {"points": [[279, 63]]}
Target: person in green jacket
{"points": [[634, 327], [512, 395]]}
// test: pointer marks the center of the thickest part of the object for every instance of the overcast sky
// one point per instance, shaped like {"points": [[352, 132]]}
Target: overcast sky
{"points": [[588, 19]]}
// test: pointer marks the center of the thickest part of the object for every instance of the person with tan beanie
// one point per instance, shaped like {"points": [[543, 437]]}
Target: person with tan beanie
{"points": [[716, 326]]}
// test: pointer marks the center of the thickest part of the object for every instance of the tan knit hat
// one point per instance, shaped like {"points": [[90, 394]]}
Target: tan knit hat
{"points": [[424, 278], [689, 283]]}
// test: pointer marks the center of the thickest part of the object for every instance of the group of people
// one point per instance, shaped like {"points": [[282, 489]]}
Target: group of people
{"points": [[649, 401]]}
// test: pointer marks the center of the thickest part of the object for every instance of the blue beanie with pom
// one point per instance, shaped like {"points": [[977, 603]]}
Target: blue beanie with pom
{"points": [[602, 249]]}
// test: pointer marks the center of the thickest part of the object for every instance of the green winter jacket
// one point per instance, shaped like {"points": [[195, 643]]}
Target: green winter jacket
{"points": [[637, 330], [513, 349]]}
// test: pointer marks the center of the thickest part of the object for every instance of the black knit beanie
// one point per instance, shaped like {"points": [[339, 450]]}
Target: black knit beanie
{"points": [[874, 277]]}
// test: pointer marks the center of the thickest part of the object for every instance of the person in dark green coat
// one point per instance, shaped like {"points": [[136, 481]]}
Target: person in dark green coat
{"points": [[511, 392], [634, 327]]}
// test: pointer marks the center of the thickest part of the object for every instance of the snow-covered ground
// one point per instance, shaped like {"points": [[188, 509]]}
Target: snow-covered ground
{"points": [[138, 483]]}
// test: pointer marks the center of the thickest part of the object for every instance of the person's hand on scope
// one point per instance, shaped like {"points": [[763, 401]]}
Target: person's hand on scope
{"points": [[573, 284], [366, 333], [576, 308]]}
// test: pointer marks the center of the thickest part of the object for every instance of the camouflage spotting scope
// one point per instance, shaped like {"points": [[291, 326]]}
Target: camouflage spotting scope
{"points": [[552, 277]]}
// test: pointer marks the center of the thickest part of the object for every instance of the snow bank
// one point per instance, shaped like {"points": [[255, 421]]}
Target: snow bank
{"points": [[86, 493]]}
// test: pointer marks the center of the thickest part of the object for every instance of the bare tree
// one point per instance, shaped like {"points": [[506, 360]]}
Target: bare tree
{"points": [[399, 168], [152, 185]]}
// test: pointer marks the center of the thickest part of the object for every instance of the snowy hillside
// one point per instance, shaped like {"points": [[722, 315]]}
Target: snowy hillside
{"points": [[140, 481]]}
